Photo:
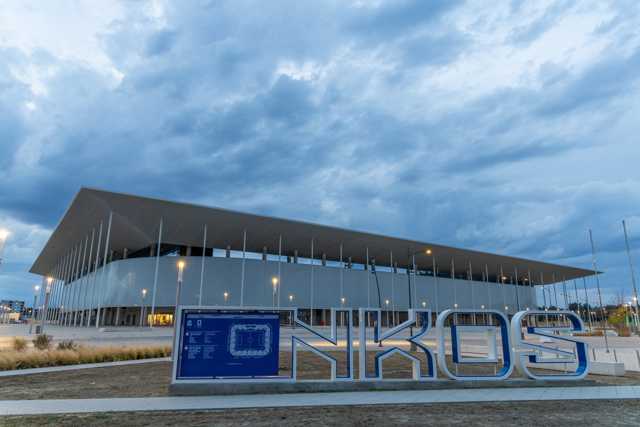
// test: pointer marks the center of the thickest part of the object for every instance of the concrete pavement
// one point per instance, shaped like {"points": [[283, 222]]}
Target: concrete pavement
{"points": [[37, 407]]}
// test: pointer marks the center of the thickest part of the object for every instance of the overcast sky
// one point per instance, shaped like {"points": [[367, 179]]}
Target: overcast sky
{"points": [[510, 129]]}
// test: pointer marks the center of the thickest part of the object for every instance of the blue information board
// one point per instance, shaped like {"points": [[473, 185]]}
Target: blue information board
{"points": [[228, 344]]}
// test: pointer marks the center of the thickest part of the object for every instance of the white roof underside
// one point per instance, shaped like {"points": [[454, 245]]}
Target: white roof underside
{"points": [[136, 220]]}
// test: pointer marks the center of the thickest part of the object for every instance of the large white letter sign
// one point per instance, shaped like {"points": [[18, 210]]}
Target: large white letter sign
{"points": [[424, 327], [489, 330], [530, 354], [333, 339]]}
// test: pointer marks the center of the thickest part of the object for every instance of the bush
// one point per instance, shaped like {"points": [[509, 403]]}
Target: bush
{"points": [[67, 345], [42, 342], [623, 331], [19, 344]]}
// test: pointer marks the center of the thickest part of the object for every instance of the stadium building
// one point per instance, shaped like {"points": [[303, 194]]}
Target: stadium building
{"points": [[123, 260]]}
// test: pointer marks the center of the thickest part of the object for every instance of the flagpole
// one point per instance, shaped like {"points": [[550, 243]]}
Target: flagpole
{"points": [[595, 272], [633, 276]]}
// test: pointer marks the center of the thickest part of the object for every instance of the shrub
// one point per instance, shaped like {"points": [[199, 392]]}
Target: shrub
{"points": [[42, 342], [623, 331], [67, 345], [19, 344]]}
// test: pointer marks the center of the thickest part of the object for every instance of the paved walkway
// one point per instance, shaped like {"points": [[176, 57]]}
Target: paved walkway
{"points": [[49, 369], [34, 407]]}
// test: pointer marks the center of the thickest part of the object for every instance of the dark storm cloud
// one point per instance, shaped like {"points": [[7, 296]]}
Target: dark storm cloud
{"points": [[318, 111], [13, 96]]}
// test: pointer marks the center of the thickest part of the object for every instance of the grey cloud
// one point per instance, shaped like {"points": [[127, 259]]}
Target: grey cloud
{"points": [[433, 49], [204, 113], [160, 42], [594, 87], [397, 18], [526, 34]]}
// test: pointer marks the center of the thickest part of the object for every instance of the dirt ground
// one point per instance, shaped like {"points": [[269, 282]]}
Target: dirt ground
{"points": [[152, 379], [548, 414]]}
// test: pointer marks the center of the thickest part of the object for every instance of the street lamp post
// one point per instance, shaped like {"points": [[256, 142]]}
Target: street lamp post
{"points": [[43, 315], [386, 302], [290, 304], [274, 284], [411, 259], [144, 294], [226, 297], [36, 289], [181, 265]]}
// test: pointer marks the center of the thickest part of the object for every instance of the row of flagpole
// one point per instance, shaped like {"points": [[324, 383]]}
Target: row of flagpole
{"points": [[588, 313]]}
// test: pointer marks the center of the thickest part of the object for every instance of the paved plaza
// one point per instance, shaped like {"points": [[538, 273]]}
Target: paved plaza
{"points": [[66, 406]]}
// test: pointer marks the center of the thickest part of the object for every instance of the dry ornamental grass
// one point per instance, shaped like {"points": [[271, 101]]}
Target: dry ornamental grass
{"points": [[10, 360]]}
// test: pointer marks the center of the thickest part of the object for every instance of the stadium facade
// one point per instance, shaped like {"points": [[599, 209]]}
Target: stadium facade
{"points": [[114, 260]]}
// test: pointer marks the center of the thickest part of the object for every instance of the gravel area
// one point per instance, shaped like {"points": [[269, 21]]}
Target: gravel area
{"points": [[152, 379]]}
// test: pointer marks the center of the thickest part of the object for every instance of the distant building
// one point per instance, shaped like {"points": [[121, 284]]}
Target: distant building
{"points": [[14, 306]]}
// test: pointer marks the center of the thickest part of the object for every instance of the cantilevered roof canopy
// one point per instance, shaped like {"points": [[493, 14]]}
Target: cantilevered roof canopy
{"points": [[136, 221]]}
